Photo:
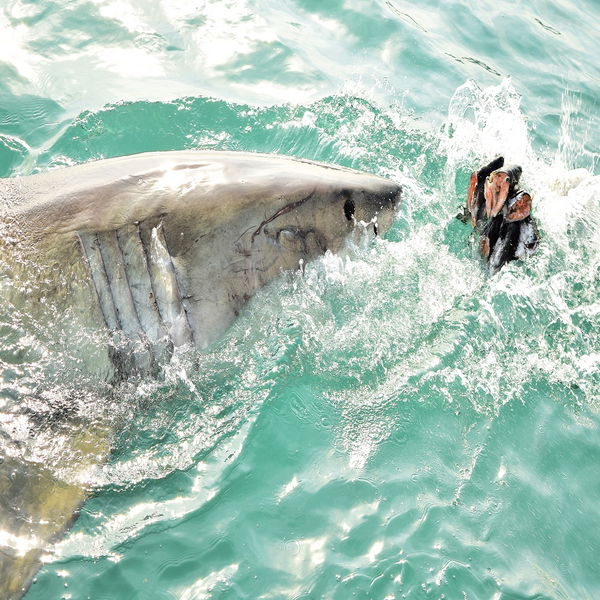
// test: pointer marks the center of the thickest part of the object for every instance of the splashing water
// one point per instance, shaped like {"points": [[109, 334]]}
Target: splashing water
{"points": [[391, 422]]}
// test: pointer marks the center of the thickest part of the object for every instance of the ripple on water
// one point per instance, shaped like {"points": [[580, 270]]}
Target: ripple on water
{"points": [[395, 423]]}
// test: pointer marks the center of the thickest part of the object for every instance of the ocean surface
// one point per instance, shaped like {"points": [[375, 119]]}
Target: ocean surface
{"points": [[393, 423]]}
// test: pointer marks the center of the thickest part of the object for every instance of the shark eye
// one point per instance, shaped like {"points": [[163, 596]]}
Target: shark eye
{"points": [[349, 209]]}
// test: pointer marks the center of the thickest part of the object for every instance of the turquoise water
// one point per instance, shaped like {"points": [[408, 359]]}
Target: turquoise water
{"points": [[393, 423]]}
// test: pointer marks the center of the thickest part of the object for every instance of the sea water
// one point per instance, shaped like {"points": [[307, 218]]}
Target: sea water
{"points": [[392, 422]]}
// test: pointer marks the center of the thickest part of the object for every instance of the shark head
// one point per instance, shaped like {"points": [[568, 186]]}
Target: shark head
{"points": [[177, 242], [322, 218]]}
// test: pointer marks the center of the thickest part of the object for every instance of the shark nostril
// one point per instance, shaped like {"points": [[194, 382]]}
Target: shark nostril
{"points": [[349, 209]]}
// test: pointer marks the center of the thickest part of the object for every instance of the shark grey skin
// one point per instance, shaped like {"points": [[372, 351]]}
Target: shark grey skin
{"points": [[161, 250]]}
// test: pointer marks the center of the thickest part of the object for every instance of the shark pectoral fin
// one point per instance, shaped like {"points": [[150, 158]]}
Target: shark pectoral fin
{"points": [[35, 508], [38, 503]]}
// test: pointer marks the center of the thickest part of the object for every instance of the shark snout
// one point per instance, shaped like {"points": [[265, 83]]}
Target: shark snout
{"points": [[374, 209]]}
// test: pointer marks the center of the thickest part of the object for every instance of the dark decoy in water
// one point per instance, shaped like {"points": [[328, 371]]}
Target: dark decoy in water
{"points": [[501, 214]]}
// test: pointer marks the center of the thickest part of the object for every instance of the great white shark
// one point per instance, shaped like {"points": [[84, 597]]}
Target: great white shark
{"points": [[159, 250]]}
